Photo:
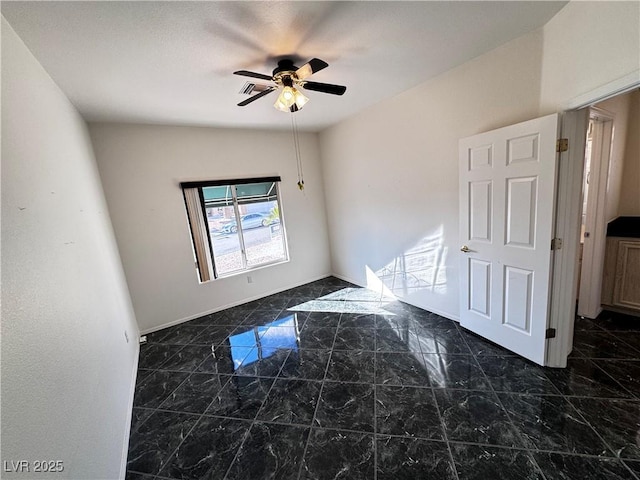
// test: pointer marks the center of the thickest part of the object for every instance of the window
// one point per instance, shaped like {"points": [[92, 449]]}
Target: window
{"points": [[235, 225]]}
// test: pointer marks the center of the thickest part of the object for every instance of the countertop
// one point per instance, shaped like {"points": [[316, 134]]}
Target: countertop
{"points": [[624, 227]]}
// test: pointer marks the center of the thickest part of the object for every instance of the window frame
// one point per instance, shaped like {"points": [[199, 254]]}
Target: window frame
{"points": [[213, 273]]}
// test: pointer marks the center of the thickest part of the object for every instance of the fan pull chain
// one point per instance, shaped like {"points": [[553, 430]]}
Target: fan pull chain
{"points": [[296, 146]]}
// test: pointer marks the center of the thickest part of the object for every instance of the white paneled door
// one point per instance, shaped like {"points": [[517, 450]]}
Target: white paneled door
{"points": [[507, 185]]}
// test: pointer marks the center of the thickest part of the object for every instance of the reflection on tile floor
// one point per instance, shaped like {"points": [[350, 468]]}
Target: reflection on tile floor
{"points": [[329, 381]]}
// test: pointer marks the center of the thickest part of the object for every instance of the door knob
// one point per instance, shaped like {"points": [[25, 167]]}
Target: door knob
{"points": [[464, 249]]}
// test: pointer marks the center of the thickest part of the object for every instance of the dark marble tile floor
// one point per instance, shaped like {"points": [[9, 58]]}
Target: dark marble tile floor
{"points": [[329, 381]]}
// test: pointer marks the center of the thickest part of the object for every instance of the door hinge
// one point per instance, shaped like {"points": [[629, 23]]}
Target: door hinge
{"points": [[556, 243], [562, 145], [550, 333]]}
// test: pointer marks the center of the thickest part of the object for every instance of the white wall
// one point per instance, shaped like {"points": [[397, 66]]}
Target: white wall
{"points": [[619, 107], [141, 167], [67, 370], [588, 45], [391, 172], [630, 187]]}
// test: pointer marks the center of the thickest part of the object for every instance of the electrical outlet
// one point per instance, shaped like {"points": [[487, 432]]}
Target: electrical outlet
{"points": [[126, 336], [249, 279]]}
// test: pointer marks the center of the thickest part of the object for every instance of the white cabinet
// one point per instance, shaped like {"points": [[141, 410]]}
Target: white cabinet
{"points": [[621, 283]]}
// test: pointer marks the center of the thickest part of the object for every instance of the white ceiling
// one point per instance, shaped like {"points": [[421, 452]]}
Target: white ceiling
{"points": [[172, 62]]}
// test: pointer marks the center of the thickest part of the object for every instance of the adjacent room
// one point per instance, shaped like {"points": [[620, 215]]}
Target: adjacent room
{"points": [[320, 240]]}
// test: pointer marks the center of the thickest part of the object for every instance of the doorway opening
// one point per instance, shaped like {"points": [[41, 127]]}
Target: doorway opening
{"points": [[610, 189], [594, 215], [619, 184]]}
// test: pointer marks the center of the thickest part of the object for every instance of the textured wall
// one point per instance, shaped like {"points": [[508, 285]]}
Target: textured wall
{"points": [[67, 370]]}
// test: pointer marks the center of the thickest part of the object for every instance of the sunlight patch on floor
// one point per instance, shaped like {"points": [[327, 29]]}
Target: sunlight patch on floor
{"points": [[348, 300]]}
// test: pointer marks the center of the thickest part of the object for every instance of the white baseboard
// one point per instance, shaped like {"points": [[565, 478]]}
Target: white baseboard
{"points": [[346, 279], [132, 391], [447, 315], [232, 304]]}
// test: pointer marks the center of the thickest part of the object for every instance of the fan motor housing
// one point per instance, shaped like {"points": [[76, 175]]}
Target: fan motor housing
{"points": [[285, 65]]}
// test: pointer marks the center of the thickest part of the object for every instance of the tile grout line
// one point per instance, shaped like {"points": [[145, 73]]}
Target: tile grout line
{"points": [[632, 347], [255, 418], [347, 430], [168, 358], [189, 374], [584, 419], [375, 400], [567, 398], [536, 450], [442, 424], [199, 418], [615, 380], [622, 461], [246, 435], [444, 434], [168, 457], [511, 421], [492, 390], [315, 411]]}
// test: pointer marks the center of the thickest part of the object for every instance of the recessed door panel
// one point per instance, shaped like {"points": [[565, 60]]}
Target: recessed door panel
{"points": [[480, 210], [521, 212], [480, 283], [517, 298], [480, 157], [627, 282], [522, 149]]}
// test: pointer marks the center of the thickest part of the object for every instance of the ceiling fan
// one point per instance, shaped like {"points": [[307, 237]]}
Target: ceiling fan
{"points": [[288, 77]]}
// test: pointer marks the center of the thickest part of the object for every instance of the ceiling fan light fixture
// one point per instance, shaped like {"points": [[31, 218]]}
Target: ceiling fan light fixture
{"points": [[300, 99], [285, 100], [280, 105], [288, 95], [290, 100]]}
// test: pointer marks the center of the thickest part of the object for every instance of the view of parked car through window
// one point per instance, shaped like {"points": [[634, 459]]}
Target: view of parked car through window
{"points": [[252, 220]]}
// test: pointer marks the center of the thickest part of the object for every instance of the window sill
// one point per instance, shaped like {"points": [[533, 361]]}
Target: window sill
{"points": [[247, 270]]}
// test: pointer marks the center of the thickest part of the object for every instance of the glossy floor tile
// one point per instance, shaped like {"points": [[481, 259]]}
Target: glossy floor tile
{"points": [[332, 381], [340, 455], [399, 457]]}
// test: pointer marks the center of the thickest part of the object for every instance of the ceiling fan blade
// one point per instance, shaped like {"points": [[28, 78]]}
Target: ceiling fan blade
{"points": [[312, 66], [256, 97], [246, 73], [324, 87]]}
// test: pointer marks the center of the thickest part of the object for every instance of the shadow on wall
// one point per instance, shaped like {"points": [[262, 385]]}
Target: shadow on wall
{"points": [[421, 267]]}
